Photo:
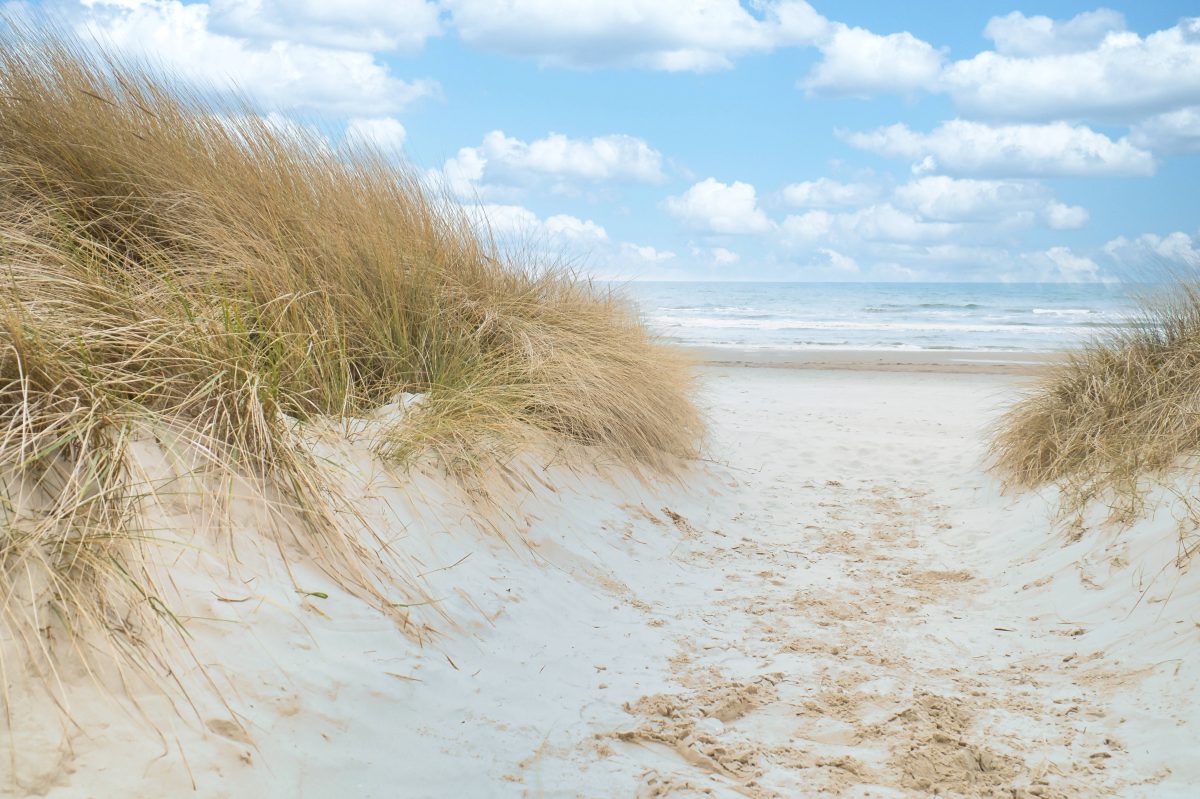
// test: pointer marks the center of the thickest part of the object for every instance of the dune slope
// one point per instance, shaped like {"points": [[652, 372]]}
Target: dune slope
{"points": [[840, 602]]}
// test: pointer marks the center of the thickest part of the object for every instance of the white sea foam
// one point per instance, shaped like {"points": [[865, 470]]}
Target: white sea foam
{"points": [[1034, 317], [821, 324]]}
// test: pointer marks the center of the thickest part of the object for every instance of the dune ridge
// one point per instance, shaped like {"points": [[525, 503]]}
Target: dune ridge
{"points": [[180, 270]]}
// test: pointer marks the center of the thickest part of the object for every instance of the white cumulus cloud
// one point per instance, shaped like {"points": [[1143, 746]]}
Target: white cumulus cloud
{"points": [[370, 25], [518, 223], [962, 147], [1153, 251], [645, 253], [1087, 68], [1019, 35], [861, 63], [1172, 132], [876, 223], [1063, 264], [717, 207], [280, 74], [564, 226], [506, 160], [824, 192], [722, 256], [800, 231], [964, 199], [384, 133], [840, 262], [562, 237], [1123, 78], [1060, 216], [672, 35], [938, 197]]}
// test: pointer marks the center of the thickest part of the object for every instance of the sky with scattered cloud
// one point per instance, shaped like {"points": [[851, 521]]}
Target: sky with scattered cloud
{"points": [[761, 140]]}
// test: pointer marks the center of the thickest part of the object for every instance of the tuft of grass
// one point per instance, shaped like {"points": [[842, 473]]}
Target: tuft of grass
{"points": [[172, 264], [1117, 414]]}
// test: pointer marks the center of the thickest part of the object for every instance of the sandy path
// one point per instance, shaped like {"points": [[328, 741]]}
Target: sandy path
{"points": [[860, 638], [839, 603]]}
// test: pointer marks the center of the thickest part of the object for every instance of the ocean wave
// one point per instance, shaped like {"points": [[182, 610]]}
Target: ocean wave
{"points": [[894, 307], [702, 323], [710, 308], [1039, 317], [1065, 311]]}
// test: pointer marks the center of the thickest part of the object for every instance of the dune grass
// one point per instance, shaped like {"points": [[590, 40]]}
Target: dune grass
{"points": [[1117, 415], [172, 262]]}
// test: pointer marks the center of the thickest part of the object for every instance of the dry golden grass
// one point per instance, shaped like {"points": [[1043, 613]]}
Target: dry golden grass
{"points": [[1117, 414], [175, 264]]}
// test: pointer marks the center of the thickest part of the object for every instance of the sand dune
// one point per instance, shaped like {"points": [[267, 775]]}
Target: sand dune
{"points": [[839, 601]]}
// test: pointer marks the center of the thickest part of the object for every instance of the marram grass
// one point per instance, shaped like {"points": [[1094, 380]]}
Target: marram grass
{"points": [[1118, 415], [173, 263]]}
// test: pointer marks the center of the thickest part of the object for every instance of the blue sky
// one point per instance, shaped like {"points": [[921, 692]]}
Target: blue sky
{"points": [[764, 140]]}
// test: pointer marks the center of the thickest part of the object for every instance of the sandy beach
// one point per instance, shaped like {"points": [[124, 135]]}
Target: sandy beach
{"points": [[941, 361], [838, 600], [751, 399]]}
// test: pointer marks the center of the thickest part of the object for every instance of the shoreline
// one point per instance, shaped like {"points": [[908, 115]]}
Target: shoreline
{"points": [[933, 361]]}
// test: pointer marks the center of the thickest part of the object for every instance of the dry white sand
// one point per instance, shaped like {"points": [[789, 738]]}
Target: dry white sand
{"points": [[839, 603]]}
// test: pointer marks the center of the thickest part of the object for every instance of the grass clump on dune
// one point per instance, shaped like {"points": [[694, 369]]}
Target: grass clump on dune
{"points": [[1123, 408], [175, 264]]}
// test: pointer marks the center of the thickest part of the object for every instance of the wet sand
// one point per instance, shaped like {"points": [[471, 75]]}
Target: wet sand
{"points": [[940, 361]]}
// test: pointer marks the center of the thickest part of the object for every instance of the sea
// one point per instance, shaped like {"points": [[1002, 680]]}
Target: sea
{"points": [[1033, 317]]}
